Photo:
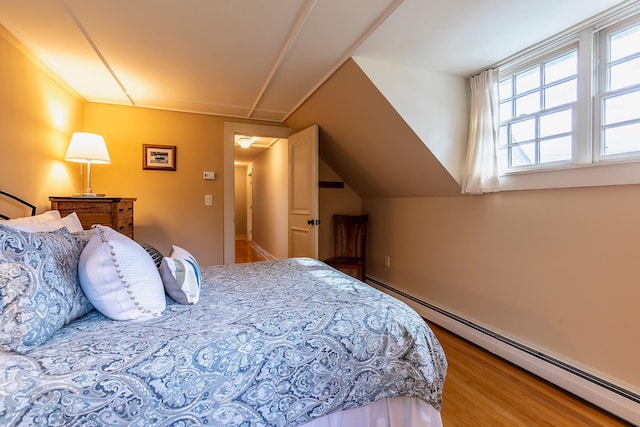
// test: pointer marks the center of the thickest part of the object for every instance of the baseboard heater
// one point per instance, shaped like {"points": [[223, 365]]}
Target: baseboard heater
{"points": [[612, 398]]}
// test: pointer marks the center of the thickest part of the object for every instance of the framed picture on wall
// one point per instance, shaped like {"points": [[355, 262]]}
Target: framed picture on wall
{"points": [[159, 157]]}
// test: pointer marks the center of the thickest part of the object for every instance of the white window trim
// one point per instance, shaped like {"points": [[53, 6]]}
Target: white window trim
{"points": [[583, 136], [591, 175], [602, 54], [582, 173]]}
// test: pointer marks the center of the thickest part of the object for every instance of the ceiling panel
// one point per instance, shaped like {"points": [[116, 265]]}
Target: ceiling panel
{"points": [[192, 51]]}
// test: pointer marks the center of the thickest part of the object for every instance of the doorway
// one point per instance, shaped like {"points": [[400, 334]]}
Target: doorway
{"points": [[231, 129], [259, 163]]}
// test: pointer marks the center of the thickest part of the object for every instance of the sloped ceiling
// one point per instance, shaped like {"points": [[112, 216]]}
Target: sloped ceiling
{"points": [[365, 141]]}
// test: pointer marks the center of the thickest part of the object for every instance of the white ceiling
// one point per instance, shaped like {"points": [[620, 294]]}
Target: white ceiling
{"points": [[261, 59], [463, 37]]}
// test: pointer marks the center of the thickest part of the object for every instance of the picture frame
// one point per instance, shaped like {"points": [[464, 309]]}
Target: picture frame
{"points": [[159, 157]]}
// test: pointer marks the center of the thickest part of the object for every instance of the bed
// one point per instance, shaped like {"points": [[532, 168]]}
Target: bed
{"points": [[290, 342]]}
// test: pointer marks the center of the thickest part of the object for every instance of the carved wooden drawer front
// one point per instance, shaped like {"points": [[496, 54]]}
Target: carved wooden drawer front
{"points": [[116, 212], [125, 226]]}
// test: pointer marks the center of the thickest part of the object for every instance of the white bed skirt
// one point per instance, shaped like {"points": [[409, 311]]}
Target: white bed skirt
{"points": [[396, 412]]}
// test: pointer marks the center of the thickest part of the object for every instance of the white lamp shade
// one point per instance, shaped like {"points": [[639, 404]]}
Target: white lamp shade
{"points": [[87, 147]]}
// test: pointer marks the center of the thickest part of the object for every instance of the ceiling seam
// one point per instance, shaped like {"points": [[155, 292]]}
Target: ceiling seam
{"points": [[293, 35], [83, 30], [348, 54]]}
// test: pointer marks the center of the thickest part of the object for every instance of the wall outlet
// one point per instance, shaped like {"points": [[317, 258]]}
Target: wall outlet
{"points": [[387, 261]]}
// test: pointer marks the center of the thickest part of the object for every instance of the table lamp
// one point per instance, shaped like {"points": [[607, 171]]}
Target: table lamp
{"points": [[88, 148]]}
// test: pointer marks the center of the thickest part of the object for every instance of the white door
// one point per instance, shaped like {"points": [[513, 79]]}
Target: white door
{"points": [[303, 193]]}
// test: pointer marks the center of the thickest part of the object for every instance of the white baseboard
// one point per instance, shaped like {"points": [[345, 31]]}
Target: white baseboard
{"points": [[610, 397], [263, 252]]}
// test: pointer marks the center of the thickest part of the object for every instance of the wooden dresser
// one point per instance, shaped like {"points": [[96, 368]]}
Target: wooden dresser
{"points": [[116, 212]]}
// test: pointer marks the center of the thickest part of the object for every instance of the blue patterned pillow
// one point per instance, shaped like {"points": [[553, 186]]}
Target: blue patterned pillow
{"points": [[39, 287], [82, 237]]}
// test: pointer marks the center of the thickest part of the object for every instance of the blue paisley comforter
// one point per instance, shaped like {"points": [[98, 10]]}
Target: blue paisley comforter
{"points": [[269, 344]]}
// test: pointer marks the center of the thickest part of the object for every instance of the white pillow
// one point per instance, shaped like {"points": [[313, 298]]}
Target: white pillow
{"points": [[32, 223], [72, 222], [119, 277], [181, 276], [48, 221]]}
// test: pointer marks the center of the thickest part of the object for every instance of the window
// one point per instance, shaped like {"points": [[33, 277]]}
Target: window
{"points": [[537, 107], [573, 103], [619, 118]]}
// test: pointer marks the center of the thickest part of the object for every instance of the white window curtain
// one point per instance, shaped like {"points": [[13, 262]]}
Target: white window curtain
{"points": [[481, 168]]}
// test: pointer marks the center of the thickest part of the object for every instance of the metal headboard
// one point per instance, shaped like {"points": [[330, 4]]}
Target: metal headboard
{"points": [[19, 200]]}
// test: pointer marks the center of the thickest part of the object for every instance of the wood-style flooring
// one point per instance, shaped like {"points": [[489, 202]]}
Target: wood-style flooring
{"points": [[245, 252], [482, 389]]}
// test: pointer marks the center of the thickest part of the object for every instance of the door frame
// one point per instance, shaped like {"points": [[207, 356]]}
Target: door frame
{"points": [[249, 178], [230, 130]]}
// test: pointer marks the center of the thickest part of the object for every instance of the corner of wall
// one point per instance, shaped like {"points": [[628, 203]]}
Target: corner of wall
{"points": [[434, 105]]}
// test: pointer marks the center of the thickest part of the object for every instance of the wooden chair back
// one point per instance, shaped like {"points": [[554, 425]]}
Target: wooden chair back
{"points": [[349, 236], [349, 244]]}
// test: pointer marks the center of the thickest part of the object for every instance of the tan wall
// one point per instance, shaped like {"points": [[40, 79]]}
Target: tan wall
{"points": [[333, 201], [240, 182], [37, 118], [170, 207], [554, 269], [270, 199]]}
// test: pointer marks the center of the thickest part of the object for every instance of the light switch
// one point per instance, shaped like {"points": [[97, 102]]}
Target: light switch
{"points": [[208, 175], [208, 200]]}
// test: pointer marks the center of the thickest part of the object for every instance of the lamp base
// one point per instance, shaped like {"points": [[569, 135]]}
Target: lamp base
{"points": [[87, 195]]}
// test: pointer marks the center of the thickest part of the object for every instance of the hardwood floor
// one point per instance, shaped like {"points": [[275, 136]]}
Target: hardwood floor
{"points": [[245, 252], [484, 390]]}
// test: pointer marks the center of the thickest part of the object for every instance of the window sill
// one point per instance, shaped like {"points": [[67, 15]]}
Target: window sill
{"points": [[595, 175]]}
